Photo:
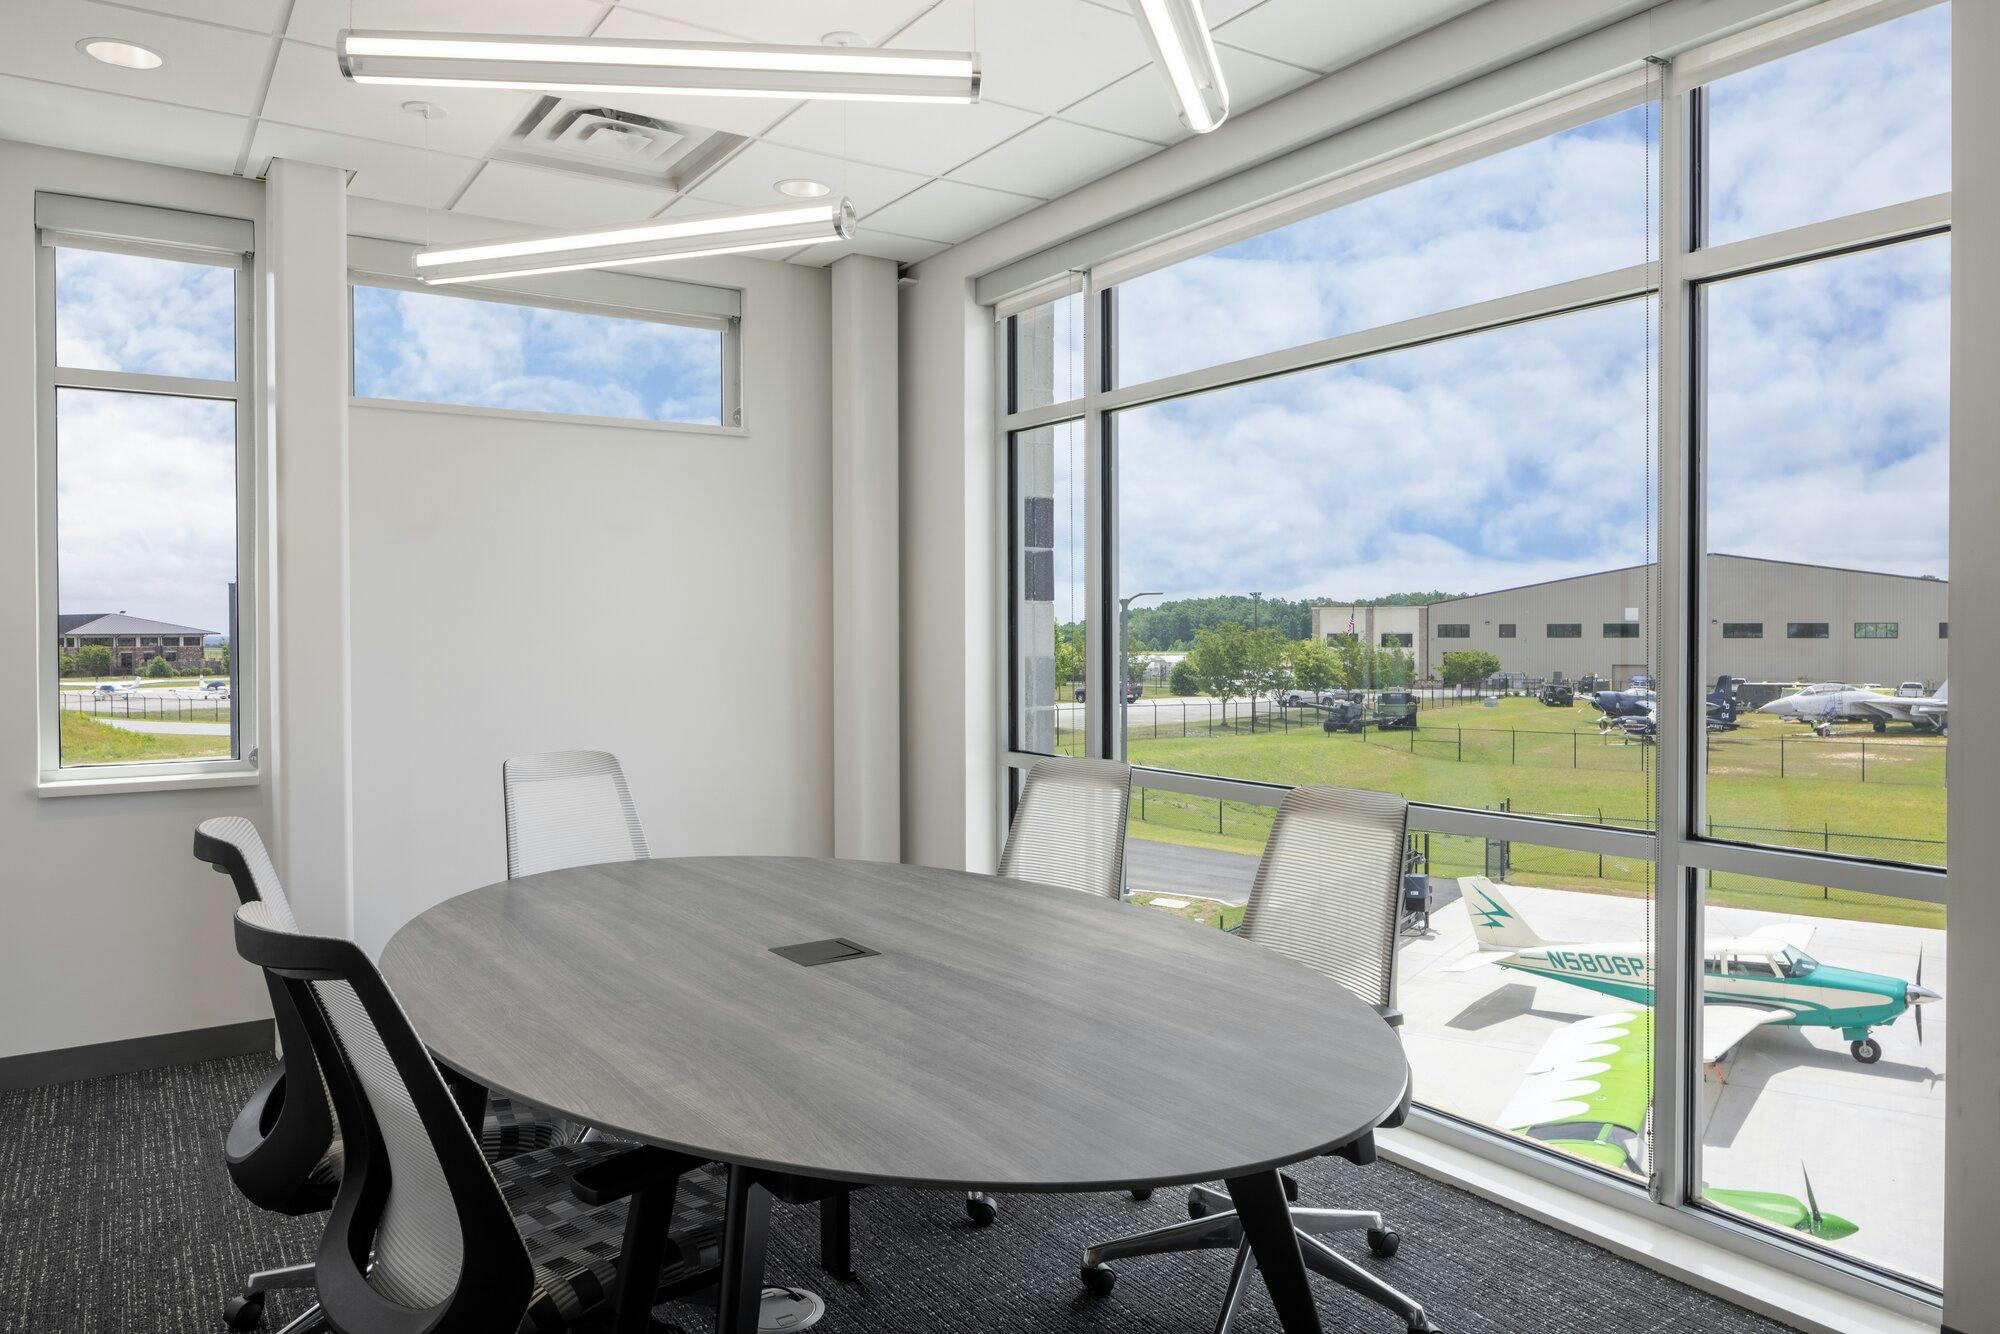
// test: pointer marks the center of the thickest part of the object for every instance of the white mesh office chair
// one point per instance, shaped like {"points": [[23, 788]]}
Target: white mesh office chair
{"points": [[1069, 832], [568, 808], [1328, 894]]}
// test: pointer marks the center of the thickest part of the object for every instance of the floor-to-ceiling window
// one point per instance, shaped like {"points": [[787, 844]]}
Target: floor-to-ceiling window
{"points": [[1586, 486]]}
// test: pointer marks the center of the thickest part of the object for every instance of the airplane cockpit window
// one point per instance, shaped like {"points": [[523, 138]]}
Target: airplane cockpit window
{"points": [[1793, 963]]}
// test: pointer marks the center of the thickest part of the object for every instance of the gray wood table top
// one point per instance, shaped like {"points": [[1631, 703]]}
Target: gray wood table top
{"points": [[1004, 1036]]}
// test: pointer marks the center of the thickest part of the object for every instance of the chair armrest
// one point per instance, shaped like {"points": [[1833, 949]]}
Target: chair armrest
{"points": [[642, 1167]]}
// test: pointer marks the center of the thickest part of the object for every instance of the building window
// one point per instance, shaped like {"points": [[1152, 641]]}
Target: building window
{"points": [[1621, 629], [1944, 629], [1877, 629], [1454, 632], [484, 352], [1565, 630], [1397, 639], [1806, 630], [148, 350], [1506, 629], [1742, 629]]}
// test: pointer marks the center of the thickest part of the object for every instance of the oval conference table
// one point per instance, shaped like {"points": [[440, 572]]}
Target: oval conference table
{"points": [[965, 1032]]}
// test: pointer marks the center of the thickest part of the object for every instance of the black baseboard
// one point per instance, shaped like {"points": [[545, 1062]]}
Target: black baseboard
{"points": [[37, 1068]]}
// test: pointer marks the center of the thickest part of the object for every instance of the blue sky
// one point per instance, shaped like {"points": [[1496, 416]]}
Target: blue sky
{"points": [[1518, 454], [436, 348]]}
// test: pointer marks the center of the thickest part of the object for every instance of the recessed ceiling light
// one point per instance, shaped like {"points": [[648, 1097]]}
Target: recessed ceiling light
{"points": [[798, 187], [125, 55]]}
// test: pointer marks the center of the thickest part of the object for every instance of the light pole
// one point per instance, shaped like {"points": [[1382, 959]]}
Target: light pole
{"points": [[1124, 657]]}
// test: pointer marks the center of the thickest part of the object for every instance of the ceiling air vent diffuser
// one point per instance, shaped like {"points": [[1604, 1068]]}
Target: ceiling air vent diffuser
{"points": [[591, 139]]}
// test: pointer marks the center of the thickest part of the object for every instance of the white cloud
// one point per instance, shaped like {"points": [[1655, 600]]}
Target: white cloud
{"points": [[133, 313]]}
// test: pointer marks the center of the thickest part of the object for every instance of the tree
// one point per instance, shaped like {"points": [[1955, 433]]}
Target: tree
{"points": [[1395, 667], [1469, 667], [1315, 667], [66, 665], [1069, 654], [1231, 662], [1183, 680], [94, 660], [159, 666]]}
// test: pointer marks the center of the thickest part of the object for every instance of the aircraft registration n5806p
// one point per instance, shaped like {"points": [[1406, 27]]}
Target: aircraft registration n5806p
{"points": [[1763, 978]]}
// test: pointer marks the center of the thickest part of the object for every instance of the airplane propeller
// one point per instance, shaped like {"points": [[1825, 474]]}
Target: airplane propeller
{"points": [[1920, 984], [1812, 1201]]}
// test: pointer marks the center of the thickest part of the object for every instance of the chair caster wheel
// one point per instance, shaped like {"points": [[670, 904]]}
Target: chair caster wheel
{"points": [[1099, 1280], [1143, 1194], [243, 1312], [982, 1210], [1197, 1207], [1383, 1241]]}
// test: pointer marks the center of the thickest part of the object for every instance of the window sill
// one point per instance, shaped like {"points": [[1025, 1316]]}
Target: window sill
{"points": [[1790, 1298], [65, 784]]}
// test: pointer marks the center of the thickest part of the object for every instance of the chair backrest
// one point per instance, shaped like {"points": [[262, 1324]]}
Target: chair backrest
{"points": [[568, 808], [1069, 828], [1328, 892], [278, 1141], [420, 1238]]}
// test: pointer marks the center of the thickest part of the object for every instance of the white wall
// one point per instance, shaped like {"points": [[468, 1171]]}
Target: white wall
{"points": [[109, 929], [522, 585]]}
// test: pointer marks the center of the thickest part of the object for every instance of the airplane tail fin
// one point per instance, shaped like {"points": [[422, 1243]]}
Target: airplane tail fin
{"points": [[1496, 923], [1725, 685], [1942, 687]]}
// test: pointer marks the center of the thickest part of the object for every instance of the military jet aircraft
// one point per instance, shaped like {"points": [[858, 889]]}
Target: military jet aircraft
{"points": [[1821, 706]]}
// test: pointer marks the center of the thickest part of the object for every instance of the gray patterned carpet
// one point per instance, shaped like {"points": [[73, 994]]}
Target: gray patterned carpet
{"points": [[116, 1216]]}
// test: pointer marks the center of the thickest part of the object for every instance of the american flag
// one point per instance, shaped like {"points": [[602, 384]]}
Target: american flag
{"points": [[1350, 620]]}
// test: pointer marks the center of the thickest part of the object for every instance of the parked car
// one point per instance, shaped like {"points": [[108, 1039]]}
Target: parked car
{"points": [[1132, 692], [1297, 699]]}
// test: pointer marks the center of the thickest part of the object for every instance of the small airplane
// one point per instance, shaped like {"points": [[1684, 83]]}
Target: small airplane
{"points": [[1633, 703], [1763, 978], [1821, 706], [1588, 1093], [1720, 704]]}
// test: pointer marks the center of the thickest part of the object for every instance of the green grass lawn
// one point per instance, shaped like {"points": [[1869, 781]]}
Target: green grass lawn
{"points": [[85, 740], [1542, 761]]}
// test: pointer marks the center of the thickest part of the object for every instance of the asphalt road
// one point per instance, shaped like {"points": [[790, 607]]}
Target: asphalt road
{"points": [[1168, 868]]}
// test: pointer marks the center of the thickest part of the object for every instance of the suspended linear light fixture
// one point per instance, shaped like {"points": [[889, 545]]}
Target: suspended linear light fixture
{"points": [[697, 69], [1178, 34], [788, 225]]}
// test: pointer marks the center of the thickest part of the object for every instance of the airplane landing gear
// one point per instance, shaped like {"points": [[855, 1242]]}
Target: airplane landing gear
{"points": [[1867, 1050]]}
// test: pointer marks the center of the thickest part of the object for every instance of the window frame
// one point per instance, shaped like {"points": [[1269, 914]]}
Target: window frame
{"points": [[1680, 852], [156, 233]]}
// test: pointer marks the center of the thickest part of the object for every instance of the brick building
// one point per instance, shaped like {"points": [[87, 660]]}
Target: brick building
{"points": [[134, 641]]}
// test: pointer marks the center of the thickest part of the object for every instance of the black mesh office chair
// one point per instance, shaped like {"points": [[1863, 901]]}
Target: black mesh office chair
{"points": [[284, 1151], [425, 1237], [1328, 894]]}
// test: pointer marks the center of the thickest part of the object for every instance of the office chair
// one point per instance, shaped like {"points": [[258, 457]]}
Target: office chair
{"points": [[284, 1152], [568, 808], [1328, 894], [425, 1237], [1069, 832]]}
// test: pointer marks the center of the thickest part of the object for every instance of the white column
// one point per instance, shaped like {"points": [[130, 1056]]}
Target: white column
{"points": [[867, 612], [1972, 1094], [306, 311]]}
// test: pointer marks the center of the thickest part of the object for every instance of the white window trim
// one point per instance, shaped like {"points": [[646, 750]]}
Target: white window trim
{"points": [[68, 221], [1682, 853], [373, 262]]}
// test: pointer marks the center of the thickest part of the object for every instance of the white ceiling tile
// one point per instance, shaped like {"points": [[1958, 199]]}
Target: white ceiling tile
{"points": [[307, 89], [94, 122], [1053, 158], [1141, 104], [867, 241], [794, 22], [931, 139], [749, 177], [381, 171], [1216, 11], [948, 211], [214, 69], [320, 21], [254, 15], [1327, 36], [734, 115], [557, 199], [1039, 54]]}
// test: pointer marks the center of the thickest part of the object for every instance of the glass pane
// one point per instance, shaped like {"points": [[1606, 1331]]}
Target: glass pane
{"points": [[1048, 353], [1291, 547], [1822, 1098], [1526, 991], [1559, 208], [1828, 395], [153, 316], [1857, 123], [1049, 602], [146, 563], [426, 347], [1194, 857]]}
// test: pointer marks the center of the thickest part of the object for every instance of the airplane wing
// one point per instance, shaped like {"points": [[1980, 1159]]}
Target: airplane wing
{"points": [[1591, 1070], [1796, 934], [1893, 709], [1481, 959], [1723, 1026]]}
